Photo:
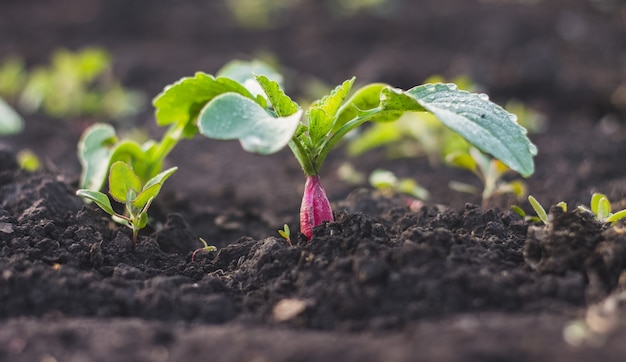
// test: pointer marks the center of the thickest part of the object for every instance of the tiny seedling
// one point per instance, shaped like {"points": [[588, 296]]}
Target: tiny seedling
{"points": [[126, 188], [255, 110], [206, 247], [286, 234], [600, 207], [388, 183], [490, 172], [542, 215]]}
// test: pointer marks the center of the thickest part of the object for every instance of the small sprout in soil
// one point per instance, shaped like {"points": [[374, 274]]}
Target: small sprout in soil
{"points": [[600, 207], [127, 188], [255, 110], [28, 160], [286, 234], [388, 183], [542, 215], [206, 247], [490, 172]]}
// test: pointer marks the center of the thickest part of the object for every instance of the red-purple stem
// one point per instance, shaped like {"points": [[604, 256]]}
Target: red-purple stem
{"points": [[315, 208]]}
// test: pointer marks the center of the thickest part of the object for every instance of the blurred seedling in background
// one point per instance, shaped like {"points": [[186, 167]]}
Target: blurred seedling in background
{"points": [[10, 121], [75, 85], [388, 183], [490, 172], [127, 188]]}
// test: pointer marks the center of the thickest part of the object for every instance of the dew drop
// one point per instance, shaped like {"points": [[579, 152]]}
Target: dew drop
{"points": [[452, 86], [512, 117], [430, 88], [483, 96]]}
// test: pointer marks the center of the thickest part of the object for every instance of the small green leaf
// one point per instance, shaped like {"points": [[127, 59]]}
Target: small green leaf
{"points": [[282, 104], [232, 116], [132, 154], [617, 216], [323, 112], [146, 196], [595, 202], [10, 121], [518, 210], [122, 179], [463, 187], [482, 123], [160, 178], [562, 205], [182, 101], [99, 198], [541, 212], [95, 148], [604, 209]]}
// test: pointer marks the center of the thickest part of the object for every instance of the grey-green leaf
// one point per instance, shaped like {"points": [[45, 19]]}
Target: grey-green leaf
{"points": [[482, 123], [232, 116], [94, 152], [10, 121]]}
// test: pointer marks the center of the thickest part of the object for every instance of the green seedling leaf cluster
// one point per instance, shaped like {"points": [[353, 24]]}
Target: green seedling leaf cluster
{"points": [[599, 207], [387, 182], [74, 84], [127, 188]]}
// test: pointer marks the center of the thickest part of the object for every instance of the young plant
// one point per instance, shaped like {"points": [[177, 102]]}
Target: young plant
{"points": [[542, 215], [600, 207], [10, 121], [206, 247], [387, 182], [265, 121], [127, 188], [490, 172], [285, 233]]}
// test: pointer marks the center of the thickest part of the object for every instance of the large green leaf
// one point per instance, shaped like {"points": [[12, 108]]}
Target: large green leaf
{"points": [[122, 179], [482, 123], [94, 152], [10, 121], [182, 101], [232, 116]]}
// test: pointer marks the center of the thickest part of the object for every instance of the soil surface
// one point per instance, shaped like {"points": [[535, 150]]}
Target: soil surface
{"points": [[390, 280]]}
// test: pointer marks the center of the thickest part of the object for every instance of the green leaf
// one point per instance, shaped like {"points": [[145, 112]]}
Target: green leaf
{"points": [[99, 198], [10, 121], [482, 123], [617, 216], [604, 209], [323, 112], [541, 212], [595, 202], [232, 116], [364, 99], [132, 154], [377, 135], [282, 104], [122, 179], [244, 72], [160, 178], [182, 101], [94, 152]]}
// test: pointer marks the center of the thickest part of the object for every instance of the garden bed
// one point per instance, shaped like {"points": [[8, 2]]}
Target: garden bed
{"points": [[446, 280]]}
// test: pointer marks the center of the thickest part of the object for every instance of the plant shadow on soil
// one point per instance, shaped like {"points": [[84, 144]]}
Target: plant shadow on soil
{"points": [[385, 282]]}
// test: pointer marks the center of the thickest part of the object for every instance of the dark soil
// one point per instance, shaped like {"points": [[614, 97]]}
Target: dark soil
{"points": [[386, 282]]}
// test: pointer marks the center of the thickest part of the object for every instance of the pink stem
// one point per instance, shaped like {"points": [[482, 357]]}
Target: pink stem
{"points": [[315, 208]]}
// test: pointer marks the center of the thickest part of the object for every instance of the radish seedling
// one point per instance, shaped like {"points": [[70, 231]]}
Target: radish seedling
{"points": [[265, 121], [127, 188], [600, 207]]}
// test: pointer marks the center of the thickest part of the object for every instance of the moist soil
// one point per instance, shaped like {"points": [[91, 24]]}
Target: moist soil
{"points": [[391, 279]]}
